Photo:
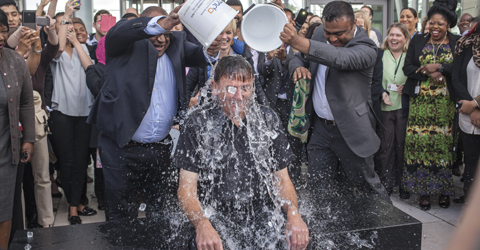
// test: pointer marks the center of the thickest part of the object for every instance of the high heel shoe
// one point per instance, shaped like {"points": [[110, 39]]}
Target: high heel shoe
{"points": [[444, 201], [425, 202]]}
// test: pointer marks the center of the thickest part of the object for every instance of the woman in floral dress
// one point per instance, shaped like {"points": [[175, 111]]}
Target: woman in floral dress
{"points": [[430, 135]]}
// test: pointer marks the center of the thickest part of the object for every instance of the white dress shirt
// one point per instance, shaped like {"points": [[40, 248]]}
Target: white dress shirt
{"points": [[320, 102], [473, 87]]}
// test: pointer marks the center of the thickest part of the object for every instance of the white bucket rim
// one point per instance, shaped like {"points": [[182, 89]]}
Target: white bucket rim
{"points": [[245, 38]]}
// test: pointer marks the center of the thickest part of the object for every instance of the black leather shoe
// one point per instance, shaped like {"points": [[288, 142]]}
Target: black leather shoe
{"points": [[86, 211], [425, 202], [101, 206], [84, 201], [460, 200], [444, 201], [74, 220], [404, 194]]}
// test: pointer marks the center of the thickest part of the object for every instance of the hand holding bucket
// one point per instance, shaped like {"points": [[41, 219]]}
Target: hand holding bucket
{"points": [[171, 20], [206, 19], [262, 25], [289, 36]]}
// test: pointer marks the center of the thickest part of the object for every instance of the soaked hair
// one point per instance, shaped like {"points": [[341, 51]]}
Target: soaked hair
{"points": [[403, 28], [446, 8], [233, 67], [148, 12], [337, 9]]}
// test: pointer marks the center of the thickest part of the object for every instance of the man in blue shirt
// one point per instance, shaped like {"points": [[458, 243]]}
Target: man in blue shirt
{"points": [[144, 92]]}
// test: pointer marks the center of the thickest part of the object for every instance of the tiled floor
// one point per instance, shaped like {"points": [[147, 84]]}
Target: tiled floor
{"points": [[438, 223]]}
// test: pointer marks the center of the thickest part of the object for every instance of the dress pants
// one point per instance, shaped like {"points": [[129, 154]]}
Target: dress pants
{"points": [[390, 156], [283, 109], [328, 153], [471, 150], [70, 140], [143, 168], [41, 176]]}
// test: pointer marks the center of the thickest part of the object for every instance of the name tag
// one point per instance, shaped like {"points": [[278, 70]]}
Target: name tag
{"points": [[392, 87], [417, 89]]}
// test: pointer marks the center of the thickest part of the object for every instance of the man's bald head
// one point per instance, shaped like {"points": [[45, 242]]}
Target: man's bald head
{"points": [[132, 10], [153, 11]]}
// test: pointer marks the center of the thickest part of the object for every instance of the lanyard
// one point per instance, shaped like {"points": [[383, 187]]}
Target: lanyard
{"points": [[414, 34], [398, 65]]}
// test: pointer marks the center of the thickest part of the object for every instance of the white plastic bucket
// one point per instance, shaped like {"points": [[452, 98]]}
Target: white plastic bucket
{"points": [[261, 27], [206, 19]]}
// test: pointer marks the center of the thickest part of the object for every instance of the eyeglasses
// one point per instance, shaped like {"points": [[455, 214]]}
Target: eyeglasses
{"points": [[245, 88]]}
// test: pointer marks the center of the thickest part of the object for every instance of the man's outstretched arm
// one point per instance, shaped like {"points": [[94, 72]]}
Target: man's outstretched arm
{"points": [[296, 230], [207, 237]]}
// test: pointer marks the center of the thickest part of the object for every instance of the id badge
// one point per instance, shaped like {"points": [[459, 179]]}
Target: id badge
{"points": [[392, 87], [417, 89]]}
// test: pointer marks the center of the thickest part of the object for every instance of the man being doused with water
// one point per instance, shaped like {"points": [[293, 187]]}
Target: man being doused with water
{"points": [[233, 156]]}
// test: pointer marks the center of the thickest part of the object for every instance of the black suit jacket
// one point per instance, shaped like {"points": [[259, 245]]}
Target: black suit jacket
{"points": [[272, 75], [412, 63], [459, 74], [377, 88], [131, 67]]}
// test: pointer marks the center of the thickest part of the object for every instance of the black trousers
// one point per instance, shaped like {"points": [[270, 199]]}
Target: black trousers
{"points": [[283, 109], [329, 154], [390, 156], [471, 151], [70, 140], [17, 216], [99, 187], [29, 194], [132, 169]]}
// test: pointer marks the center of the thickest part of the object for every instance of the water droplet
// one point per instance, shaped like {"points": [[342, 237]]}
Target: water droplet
{"points": [[142, 207]]}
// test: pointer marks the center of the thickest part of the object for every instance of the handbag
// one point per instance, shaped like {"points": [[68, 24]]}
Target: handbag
{"points": [[41, 118]]}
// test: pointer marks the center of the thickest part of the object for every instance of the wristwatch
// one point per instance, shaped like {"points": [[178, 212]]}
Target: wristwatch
{"points": [[63, 22]]}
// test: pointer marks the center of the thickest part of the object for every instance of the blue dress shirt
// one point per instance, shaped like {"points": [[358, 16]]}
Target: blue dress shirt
{"points": [[158, 120]]}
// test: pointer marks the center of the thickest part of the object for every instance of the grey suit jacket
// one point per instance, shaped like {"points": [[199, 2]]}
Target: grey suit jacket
{"points": [[347, 86]]}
